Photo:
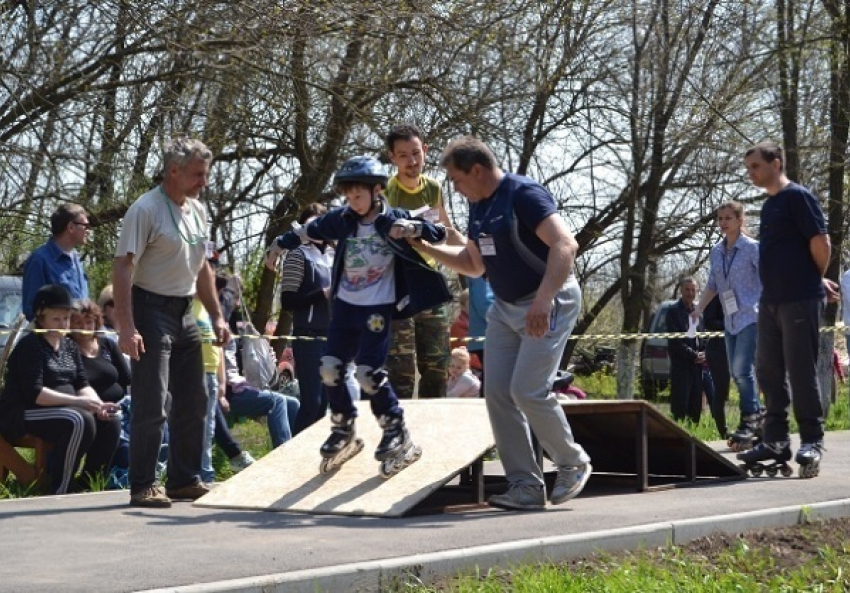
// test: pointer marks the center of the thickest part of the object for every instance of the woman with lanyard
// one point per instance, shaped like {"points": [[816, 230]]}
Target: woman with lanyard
{"points": [[734, 279]]}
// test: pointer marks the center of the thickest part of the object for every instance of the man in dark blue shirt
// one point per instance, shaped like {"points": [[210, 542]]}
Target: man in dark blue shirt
{"points": [[794, 251], [57, 261], [517, 236]]}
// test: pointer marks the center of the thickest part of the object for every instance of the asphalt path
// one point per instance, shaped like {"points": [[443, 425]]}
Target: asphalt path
{"points": [[97, 542]]}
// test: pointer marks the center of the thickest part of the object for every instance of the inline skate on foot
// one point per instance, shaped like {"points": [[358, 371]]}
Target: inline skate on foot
{"points": [[396, 451], [341, 446], [808, 458], [747, 435], [778, 453]]}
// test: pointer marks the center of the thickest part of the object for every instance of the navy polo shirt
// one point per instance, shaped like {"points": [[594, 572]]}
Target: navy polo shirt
{"points": [[789, 220], [508, 220]]}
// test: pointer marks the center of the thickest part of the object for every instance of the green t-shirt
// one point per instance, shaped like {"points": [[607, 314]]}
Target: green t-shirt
{"points": [[427, 194]]}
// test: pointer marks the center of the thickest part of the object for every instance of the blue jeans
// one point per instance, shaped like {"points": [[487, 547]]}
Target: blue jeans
{"points": [[741, 350], [308, 356], [280, 410], [207, 471]]}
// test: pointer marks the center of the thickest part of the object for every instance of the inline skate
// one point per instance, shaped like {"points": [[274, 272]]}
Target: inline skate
{"points": [[748, 434], [808, 458], [341, 446], [779, 453], [396, 451]]}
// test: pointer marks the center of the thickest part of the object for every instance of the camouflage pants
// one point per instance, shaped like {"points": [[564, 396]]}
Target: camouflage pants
{"points": [[420, 342]]}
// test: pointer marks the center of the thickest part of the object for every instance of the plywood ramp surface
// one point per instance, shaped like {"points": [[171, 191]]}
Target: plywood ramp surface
{"points": [[453, 433]]}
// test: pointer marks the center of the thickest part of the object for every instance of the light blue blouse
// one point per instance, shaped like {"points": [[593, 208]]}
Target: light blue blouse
{"points": [[737, 270]]}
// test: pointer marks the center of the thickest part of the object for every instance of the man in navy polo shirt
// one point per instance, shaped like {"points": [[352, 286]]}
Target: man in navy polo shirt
{"points": [[517, 236], [794, 251], [57, 261]]}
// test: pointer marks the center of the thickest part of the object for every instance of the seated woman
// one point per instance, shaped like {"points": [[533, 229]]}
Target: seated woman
{"points": [[106, 367], [47, 394]]}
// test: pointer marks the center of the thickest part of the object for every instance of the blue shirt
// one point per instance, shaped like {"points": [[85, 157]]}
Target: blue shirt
{"points": [[50, 265], [514, 256], [480, 299], [789, 221], [737, 270]]}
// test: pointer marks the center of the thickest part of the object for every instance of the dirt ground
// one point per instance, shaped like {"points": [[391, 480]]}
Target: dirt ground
{"points": [[789, 546]]}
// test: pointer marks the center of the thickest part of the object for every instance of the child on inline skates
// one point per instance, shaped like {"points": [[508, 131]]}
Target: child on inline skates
{"points": [[376, 276]]}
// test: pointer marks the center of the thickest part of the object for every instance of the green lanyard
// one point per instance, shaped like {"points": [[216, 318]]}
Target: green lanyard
{"points": [[200, 237]]}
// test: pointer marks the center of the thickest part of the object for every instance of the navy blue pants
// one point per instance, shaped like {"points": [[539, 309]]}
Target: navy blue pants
{"points": [[361, 334]]}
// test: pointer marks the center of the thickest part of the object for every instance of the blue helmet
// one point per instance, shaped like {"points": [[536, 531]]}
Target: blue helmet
{"points": [[362, 169]]}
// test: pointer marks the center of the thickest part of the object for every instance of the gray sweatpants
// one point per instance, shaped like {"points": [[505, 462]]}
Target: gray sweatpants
{"points": [[518, 374]]}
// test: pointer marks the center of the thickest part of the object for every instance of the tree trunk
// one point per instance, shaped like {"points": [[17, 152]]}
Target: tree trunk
{"points": [[628, 359]]}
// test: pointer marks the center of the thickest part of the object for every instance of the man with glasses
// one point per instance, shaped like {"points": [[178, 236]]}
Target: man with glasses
{"points": [[57, 261]]}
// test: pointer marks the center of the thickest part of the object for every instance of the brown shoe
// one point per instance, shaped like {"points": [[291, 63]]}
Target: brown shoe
{"points": [[190, 492], [150, 497]]}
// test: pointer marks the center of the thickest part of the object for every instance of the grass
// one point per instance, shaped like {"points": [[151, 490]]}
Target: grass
{"points": [[741, 568]]}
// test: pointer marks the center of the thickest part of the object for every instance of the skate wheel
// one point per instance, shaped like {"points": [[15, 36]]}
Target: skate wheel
{"points": [[808, 471], [771, 472], [756, 471], [386, 469], [326, 466], [787, 472]]}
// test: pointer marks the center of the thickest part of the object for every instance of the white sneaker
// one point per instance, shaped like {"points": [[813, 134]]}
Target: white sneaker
{"points": [[241, 461]]}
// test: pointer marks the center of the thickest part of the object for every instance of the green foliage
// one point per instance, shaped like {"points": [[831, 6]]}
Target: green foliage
{"points": [[11, 488]]}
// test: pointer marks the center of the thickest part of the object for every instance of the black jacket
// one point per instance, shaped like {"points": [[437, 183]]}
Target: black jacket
{"points": [[683, 350], [418, 286]]}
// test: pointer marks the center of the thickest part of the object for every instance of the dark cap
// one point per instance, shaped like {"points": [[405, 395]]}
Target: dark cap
{"points": [[52, 296]]}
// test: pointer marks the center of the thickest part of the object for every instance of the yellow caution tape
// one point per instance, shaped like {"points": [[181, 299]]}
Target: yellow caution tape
{"points": [[839, 328]]}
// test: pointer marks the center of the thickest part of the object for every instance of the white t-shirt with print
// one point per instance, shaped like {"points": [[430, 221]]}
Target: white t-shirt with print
{"points": [[368, 277]]}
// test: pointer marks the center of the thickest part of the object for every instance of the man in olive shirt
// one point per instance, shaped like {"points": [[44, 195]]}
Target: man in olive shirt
{"points": [[423, 340]]}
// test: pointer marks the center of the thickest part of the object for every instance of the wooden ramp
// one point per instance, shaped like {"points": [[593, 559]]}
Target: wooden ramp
{"points": [[454, 434], [632, 440]]}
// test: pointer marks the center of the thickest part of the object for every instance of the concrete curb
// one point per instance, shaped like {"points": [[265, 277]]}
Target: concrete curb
{"points": [[425, 568]]}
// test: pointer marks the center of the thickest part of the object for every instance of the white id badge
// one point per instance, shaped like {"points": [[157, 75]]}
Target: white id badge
{"points": [[486, 245], [730, 305]]}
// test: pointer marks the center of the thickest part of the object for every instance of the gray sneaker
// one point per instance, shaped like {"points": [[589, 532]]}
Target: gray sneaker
{"points": [[570, 482], [522, 497]]}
